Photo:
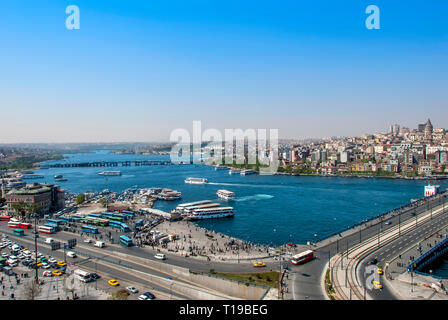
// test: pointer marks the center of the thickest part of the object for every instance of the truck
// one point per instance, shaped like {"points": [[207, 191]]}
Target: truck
{"points": [[99, 244]]}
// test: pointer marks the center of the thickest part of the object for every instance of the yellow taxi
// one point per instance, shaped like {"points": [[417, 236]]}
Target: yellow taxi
{"points": [[377, 284], [57, 273], [379, 271], [61, 263], [259, 264], [113, 282]]}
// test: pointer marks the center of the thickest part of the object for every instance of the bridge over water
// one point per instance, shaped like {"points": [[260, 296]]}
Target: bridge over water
{"points": [[128, 163]]}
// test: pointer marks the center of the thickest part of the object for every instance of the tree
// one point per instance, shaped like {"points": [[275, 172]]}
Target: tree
{"points": [[31, 290], [34, 209], [19, 208], [103, 202], [80, 198]]}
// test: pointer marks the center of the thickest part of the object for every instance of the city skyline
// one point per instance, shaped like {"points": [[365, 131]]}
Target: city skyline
{"points": [[135, 72]]}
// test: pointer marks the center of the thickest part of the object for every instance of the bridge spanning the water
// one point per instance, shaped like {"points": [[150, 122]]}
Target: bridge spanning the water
{"points": [[127, 163]]}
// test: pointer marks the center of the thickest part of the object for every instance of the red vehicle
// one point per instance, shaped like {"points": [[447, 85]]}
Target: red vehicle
{"points": [[291, 244], [124, 291], [302, 257], [23, 225], [14, 224], [5, 218]]}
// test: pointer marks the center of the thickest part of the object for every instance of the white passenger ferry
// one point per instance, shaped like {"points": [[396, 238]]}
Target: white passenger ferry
{"points": [[196, 180], [226, 194], [180, 208], [110, 173], [210, 213]]}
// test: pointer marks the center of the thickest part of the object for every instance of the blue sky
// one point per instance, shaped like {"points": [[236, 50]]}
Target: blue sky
{"points": [[136, 70]]}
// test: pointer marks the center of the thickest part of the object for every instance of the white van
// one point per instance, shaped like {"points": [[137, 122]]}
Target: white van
{"points": [[160, 256], [100, 244], [49, 240]]}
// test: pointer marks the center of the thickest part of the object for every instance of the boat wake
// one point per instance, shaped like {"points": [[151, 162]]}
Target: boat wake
{"points": [[247, 185], [255, 197]]}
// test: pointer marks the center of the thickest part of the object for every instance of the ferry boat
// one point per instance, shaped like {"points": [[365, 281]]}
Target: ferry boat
{"points": [[302, 257], [247, 172], [210, 213], [180, 208], [220, 167], [196, 180], [234, 171], [191, 209], [226, 194], [431, 190], [169, 195], [31, 176], [110, 173]]}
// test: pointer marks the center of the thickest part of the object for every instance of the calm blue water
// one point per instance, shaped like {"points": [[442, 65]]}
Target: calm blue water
{"points": [[269, 209]]}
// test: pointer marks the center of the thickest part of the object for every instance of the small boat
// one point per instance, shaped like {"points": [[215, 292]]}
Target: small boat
{"points": [[59, 177], [196, 180], [110, 173]]}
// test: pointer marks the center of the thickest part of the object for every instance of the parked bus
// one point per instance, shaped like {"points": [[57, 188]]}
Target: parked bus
{"points": [[55, 221], [96, 221], [46, 229], [23, 225], [82, 275], [302, 257], [89, 229], [19, 232], [5, 218], [126, 241], [128, 213], [94, 215], [65, 219], [122, 226]]}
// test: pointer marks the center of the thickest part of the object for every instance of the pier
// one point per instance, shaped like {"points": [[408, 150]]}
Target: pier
{"points": [[129, 163]]}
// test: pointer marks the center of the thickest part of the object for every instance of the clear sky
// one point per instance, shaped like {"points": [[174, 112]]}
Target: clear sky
{"points": [[136, 70]]}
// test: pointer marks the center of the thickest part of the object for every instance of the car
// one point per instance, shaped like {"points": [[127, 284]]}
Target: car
{"points": [[57, 273], [132, 289], [94, 276], [61, 263], [377, 284], [113, 282], [259, 264], [124, 291], [45, 265], [387, 223], [87, 240], [52, 260], [292, 244], [147, 296], [71, 254], [379, 271], [160, 256], [25, 263], [47, 273], [373, 261]]}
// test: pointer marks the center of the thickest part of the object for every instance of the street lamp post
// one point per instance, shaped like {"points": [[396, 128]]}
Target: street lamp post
{"points": [[35, 246]]}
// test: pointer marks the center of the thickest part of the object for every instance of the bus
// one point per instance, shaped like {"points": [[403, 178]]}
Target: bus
{"points": [[128, 213], [89, 229], [46, 229], [55, 221], [65, 219], [53, 225], [76, 217], [23, 225], [122, 226], [5, 218], [82, 275], [13, 224], [96, 221], [19, 232], [302, 257], [126, 241], [95, 215]]}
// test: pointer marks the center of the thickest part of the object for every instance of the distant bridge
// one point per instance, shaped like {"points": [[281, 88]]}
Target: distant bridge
{"points": [[111, 164]]}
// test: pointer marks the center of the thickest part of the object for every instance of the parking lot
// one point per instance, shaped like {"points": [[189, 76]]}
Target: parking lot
{"points": [[61, 279]]}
